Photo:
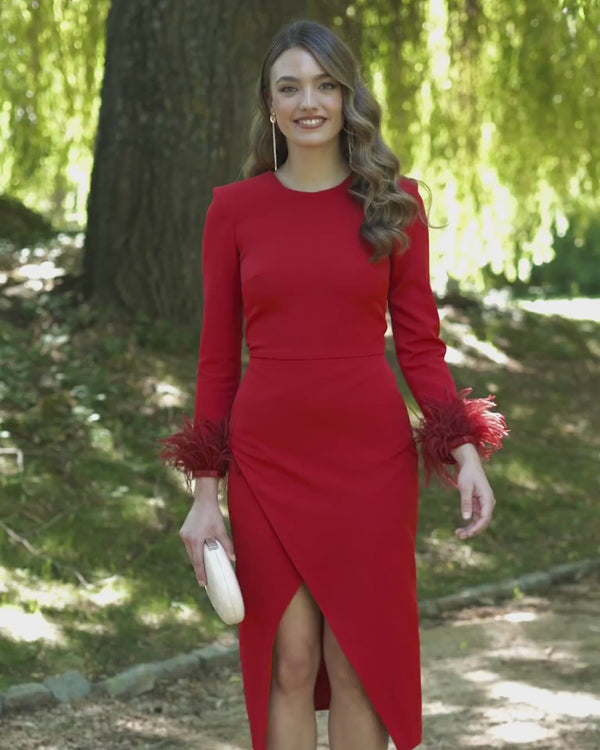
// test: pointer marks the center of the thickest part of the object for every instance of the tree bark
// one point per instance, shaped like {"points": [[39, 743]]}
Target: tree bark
{"points": [[174, 120]]}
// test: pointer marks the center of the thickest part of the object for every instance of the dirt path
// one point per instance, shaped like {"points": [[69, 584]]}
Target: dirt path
{"points": [[524, 674]]}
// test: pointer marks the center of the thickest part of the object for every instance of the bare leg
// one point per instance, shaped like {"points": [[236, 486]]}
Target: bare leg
{"points": [[291, 723], [353, 722]]}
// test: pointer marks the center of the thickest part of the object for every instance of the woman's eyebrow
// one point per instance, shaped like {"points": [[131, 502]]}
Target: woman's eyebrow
{"points": [[292, 78]]}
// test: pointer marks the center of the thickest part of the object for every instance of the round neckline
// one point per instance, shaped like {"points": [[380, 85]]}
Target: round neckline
{"points": [[341, 184]]}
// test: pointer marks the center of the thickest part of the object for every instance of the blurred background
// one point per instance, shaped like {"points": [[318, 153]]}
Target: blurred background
{"points": [[116, 120]]}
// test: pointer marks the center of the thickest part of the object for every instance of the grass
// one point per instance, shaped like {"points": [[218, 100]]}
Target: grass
{"points": [[92, 572]]}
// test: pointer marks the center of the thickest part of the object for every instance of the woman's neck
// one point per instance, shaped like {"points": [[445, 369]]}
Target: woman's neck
{"points": [[312, 169]]}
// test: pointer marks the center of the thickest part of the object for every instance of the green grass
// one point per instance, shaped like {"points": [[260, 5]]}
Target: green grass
{"points": [[93, 575], [546, 479]]}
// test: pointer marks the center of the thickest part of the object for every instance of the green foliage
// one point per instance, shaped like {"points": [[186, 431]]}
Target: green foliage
{"points": [[493, 104], [575, 269], [51, 58]]}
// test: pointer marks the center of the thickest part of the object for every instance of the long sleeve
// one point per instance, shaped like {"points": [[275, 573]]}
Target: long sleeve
{"points": [[201, 448], [449, 418]]}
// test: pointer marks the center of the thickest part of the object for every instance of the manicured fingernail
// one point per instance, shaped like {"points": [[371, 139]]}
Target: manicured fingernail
{"points": [[466, 515]]}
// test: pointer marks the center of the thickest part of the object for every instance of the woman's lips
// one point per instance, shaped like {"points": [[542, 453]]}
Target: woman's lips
{"points": [[310, 123]]}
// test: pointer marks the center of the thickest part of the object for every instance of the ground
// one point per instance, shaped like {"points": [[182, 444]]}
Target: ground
{"points": [[521, 674]]}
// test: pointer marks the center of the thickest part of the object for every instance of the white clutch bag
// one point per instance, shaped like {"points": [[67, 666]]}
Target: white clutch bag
{"points": [[222, 584]]}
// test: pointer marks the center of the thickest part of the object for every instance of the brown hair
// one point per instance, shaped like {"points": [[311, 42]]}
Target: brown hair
{"points": [[376, 169]]}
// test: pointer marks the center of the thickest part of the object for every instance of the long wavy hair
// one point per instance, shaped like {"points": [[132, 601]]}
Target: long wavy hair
{"points": [[376, 169]]}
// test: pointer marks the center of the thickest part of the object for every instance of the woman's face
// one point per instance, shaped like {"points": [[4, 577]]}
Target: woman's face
{"points": [[306, 100]]}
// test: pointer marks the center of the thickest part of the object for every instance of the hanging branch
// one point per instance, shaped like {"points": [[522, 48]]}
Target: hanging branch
{"points": [[18, 539]]}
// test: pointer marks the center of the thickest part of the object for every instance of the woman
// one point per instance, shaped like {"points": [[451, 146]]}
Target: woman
{"points": [[310, 249]]}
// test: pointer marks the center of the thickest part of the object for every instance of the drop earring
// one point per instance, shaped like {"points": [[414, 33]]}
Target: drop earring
{"points": [[273, 120]]}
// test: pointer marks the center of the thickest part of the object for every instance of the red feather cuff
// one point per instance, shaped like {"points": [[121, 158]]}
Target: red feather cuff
{"points": [[461, 420], [198, 449]]}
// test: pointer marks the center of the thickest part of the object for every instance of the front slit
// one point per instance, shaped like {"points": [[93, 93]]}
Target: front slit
{"points": [[271, 572]]}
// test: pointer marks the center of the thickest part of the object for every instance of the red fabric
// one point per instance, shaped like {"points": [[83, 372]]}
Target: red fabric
{"points": [[457, 421], [199, 449], [323, 475]]}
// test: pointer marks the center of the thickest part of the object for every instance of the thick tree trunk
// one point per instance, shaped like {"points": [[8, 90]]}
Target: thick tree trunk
{"points": [[175, 113]]}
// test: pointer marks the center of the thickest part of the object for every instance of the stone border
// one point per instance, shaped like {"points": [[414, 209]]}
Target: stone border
{"points": [[490, 593], [142, 678], [133, 681]]}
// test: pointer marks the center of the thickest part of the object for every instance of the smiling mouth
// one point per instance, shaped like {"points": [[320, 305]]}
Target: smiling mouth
{"points": [[310, 122]]}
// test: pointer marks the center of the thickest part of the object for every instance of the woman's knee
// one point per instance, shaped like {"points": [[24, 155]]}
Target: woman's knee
{"points": [[297, 647], [342, 674], [295, 668]]}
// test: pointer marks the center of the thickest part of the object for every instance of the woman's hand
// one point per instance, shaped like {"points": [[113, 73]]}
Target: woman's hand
{"points": [[476, 497], [204, 520]]}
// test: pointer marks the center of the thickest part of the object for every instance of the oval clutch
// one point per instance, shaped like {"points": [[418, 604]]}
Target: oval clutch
{"points": [[222, 584]]}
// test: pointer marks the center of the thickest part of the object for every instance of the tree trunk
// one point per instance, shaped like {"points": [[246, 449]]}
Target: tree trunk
{"points": [[174, 120]]}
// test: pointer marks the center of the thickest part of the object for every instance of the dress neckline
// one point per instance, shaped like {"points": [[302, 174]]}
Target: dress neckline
{"points": [[343, 183]]}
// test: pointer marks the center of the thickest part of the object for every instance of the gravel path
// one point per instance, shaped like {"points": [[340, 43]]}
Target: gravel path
{"points": [[523, 674]]}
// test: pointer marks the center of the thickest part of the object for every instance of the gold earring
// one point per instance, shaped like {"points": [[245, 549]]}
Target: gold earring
{"points": [[273, 120]]}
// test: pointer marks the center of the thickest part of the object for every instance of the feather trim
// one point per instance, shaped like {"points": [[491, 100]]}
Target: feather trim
{"points": [[201, 447], [458, 421]]}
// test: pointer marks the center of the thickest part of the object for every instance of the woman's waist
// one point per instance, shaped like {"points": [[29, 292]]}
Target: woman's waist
{"points": [[337, 379], [347, 393], [328, 354]]}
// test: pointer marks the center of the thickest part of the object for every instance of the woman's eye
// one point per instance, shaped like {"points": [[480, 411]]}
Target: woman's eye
{"points": [[326, 85]]}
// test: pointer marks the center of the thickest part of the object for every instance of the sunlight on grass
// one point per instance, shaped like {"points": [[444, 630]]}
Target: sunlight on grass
{"points": [[457, 357], [518, 617], [520, 732], [115, 590], [37, 593], [18, 625], [573, 309], [178, 612], [531, 708], [470, 344], [30, 590], [163, 395], [450, 551], [437, 708], [557, 702], [489, 351], [522, 473]]}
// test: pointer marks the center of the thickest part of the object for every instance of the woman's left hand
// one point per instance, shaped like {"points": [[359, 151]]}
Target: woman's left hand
{"points": [[476, 497]]}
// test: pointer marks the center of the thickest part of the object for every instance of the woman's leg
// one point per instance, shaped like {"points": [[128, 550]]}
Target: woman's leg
{"points": [[353, 722], [296, 657]]}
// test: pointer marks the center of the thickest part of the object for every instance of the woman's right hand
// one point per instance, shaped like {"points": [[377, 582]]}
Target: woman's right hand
{"points": [[204, 520]]}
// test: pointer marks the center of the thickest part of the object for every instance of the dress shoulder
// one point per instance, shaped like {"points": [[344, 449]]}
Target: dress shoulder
{"points": [[241, 190], [408, 185]]}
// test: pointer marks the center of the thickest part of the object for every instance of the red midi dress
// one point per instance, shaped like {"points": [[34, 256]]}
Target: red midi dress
{"points": [[316, 439]]}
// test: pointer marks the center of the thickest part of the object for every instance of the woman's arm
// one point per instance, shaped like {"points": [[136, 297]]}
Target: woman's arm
{"points": [[451, 420], [204, 520], [201, 448]]}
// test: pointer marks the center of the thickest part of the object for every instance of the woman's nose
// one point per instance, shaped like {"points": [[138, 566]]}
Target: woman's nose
{"points": [[308, 97]]}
